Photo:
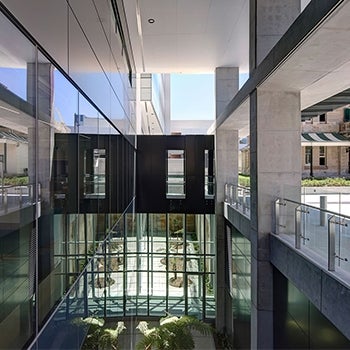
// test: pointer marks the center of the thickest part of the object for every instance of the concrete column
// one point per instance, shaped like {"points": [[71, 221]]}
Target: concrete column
{"points": [[269, 20], [226, 86], [226, 160], [275, 156]]}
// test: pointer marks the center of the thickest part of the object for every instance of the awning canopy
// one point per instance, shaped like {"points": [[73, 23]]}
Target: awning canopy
{"points": [[324, 139]]}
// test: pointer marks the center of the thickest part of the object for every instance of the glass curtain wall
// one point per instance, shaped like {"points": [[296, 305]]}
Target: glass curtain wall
{"points": [[43, 246], [241, 290], [156, 263]]}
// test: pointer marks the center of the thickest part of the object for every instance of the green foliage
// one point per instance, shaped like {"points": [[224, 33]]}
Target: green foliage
{"points": [[16, 180], [244, 180], [334, 181], [173, 333], [95, 331], [99, 337], [109, 337]]}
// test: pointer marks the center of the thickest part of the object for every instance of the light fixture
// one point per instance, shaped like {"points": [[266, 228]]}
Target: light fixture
{"points": [[151, 20]]}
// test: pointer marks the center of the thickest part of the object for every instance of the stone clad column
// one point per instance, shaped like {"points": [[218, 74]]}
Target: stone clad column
{"points": [[275, 156], [226, 161], [269, 20]]}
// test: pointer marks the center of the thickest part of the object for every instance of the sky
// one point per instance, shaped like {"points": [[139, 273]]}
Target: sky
{"points": [[193, 96]]}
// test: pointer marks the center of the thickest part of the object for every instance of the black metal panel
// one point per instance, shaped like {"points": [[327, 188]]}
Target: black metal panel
{"points": [[151, 170], [73, 158], [150, 173]]}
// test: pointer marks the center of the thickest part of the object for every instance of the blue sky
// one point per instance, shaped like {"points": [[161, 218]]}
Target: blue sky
{"points": [[193, 95]]}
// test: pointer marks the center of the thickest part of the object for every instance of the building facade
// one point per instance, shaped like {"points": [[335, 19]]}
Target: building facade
{"points": [[114, 221]]}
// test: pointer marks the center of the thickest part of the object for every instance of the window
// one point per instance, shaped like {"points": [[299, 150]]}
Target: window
{"points": [[209, 184], [175, 174], [94, 173], [322, 156], [308, 155], [322, 118], [346, 118]]}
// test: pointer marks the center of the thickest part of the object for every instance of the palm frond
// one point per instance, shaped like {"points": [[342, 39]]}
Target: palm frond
{"points": [[194, 323], [173, 333]]}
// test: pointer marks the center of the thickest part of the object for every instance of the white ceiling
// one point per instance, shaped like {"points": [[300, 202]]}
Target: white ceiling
{"points": [[319, 68], [188, 36]]}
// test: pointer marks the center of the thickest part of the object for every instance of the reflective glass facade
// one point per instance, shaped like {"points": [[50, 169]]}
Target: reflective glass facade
{"points": [[143, 269], [44, 244], [71, 243], [241, 290]]}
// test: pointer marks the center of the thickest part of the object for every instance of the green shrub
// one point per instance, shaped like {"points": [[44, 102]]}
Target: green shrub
{"points": [[16, 180], [329, 181], [244, 180]]}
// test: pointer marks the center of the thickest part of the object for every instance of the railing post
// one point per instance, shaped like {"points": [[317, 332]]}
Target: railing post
{"points": [[298, 227], [331, 244], [5, 199], [236, 196], [20, 197], [323, 205], [231, 194], [244, 201], [278, 225], [277, 216]]}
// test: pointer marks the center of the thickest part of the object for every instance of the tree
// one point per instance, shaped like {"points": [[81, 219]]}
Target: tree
{"points": [[172, 333]]}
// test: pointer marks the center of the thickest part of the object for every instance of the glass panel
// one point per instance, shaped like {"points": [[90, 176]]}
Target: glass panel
{"points": [[241, 277], [312, 234], [95, 173], [17, 123], [195, 295], [343, 245], [209, 184], [175, 174]]}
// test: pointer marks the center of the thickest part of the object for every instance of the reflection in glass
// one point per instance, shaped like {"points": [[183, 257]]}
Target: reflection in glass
{"points": [[17, 186], [157, 267], [209, 184], [95, 173], [175, 174]]}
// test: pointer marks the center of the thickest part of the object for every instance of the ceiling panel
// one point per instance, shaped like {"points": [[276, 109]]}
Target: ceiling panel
{"points": [[189, 36]]}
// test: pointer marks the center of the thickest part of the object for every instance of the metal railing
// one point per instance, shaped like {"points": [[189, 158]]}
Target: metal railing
{"points": [[315, 230], [16, 196], [238, 197]]}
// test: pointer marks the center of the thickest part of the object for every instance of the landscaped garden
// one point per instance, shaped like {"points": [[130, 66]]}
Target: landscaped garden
{"points": [[244, 180]]}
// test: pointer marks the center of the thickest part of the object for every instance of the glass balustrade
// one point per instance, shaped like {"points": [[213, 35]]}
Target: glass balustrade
{"points": [[13, 197], [318, 225], [238, 197], [321, 234]]}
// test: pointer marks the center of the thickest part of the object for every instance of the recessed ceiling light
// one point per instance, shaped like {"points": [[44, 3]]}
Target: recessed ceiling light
{"points": [[151, 20]]}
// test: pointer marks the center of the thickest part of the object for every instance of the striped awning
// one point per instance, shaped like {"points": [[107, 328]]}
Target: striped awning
{"points": [[324, 139]]}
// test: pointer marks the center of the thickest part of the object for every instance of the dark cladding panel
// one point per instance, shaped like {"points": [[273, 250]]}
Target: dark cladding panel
{"points": [[151, 189], [150, 170], [77, 188]]}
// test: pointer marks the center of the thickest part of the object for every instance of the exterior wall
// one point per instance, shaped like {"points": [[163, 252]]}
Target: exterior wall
{"points": [[337, 157], [76, 66], [337, 160]]}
